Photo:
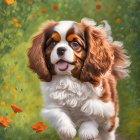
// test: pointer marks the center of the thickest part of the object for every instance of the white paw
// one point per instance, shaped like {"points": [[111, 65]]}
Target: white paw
{"points": [[104, 135], [66, 132], [108, 109], [88, 131], [99, 108], [92, 107]]}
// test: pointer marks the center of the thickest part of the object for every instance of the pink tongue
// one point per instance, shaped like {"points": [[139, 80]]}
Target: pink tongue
{"points": [[62, 65]]}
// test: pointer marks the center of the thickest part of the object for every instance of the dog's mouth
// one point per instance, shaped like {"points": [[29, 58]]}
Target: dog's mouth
{"points": [[63, 65]]}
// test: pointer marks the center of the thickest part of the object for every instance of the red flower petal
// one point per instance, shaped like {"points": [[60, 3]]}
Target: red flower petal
{"points": [[38, 127], [16, 108], [98, 6], [55, 7], [4, 121]]}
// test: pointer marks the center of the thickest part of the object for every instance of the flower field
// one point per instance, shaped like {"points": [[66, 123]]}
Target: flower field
{"points": [[20, 96]]}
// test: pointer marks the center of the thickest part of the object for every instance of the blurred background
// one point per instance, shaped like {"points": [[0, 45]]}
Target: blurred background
{"points": [[20, 97]]}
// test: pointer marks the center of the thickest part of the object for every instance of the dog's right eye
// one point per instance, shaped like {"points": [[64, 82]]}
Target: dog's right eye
{"points": [[53, 43]]}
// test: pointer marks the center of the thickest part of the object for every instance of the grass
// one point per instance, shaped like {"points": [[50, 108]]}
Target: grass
{"points": [[23, 91], [20, 86]]}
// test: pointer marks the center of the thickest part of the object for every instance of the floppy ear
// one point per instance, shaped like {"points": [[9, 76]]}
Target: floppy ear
{"points": [[36, 58], [35, 54], [99, 57]]}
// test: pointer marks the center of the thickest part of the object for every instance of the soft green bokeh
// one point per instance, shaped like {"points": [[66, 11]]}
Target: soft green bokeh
{"points": [[23, 86]]}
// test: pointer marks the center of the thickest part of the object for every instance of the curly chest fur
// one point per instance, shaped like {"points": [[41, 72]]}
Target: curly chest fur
{"points": [[80, 101], [67, 91]]}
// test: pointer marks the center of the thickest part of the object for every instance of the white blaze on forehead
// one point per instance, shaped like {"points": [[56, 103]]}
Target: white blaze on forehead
{"points": [[63, 27]]}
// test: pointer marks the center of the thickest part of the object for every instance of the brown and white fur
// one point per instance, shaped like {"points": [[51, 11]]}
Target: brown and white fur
{"points": [[79, 65]]}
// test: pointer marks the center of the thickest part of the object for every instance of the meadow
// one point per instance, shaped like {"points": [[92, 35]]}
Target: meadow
{"points": [[20, 96]]}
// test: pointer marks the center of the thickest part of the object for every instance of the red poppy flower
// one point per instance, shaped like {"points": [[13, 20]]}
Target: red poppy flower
{"points": [[16, 109], [38, 127], [43, 10], [4, 121], [55, 7], [98, 6]]}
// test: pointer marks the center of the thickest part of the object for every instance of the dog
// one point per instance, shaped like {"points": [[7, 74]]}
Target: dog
{"points": [[79, 65]]}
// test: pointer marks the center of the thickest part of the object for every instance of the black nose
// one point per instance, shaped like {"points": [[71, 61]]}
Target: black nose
{"points": [[61, 51]]}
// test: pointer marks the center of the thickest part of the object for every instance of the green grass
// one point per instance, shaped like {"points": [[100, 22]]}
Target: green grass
{"points": [[22, 86], [23, 90]]}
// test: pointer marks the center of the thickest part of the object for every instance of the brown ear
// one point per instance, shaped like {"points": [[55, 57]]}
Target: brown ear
{"points": [[121, 61], [36, 58], [99, 58]]}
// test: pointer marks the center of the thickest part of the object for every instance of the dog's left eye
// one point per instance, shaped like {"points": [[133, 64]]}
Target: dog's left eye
{"points": [[74, 44]]}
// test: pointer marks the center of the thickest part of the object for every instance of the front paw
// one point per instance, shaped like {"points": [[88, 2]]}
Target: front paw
{"points": [[66, 132], [99, 108], [88, 131], [92, 107]]}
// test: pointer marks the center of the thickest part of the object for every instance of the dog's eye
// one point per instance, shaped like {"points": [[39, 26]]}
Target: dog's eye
{"points": [[74, 44], [53, 43]]}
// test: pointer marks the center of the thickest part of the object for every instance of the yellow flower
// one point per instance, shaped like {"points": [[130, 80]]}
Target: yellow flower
{"points": [[135, 123], [7, 106], [8, 71], [12, 96], [18, 77], [9, 2], [2, 103], [29, 2], [17, 25], [24, 96], [12, 68], [14, 89], [14, 20], [6, 80], [139, 110], [110, 10], [131, 113], [14, 53], [5, 87], [12, 115], [30, 109], [118, 20]]}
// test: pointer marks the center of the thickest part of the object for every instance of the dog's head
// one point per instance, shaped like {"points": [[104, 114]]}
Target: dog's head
{"points": [[71, 48]]}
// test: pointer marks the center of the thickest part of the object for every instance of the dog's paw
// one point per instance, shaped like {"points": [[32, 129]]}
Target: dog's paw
{"points": [[92, 107], [98, 108], [66, 132], [88, 131]]}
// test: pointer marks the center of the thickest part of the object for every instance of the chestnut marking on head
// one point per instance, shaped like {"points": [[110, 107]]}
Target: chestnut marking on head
{"points": [[78, 49]]}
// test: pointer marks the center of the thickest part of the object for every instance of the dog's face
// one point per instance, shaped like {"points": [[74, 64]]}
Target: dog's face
{"points": [[70, 48], [64, 48]]}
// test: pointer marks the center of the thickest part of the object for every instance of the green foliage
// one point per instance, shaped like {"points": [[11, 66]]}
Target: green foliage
{"points": [[20, 20]]}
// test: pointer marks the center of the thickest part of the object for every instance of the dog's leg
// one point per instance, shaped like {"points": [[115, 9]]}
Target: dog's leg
{"points": [[88, 130], [61, 122], [98, 108], [104, 135]]}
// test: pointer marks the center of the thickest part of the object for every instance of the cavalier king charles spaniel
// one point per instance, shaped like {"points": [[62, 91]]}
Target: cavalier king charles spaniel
{"points": [[79, 65]]}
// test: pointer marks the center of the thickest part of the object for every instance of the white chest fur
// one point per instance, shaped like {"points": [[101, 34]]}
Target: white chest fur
{"points": [[68, 91]]}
